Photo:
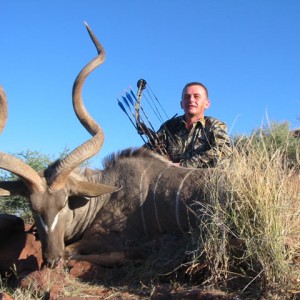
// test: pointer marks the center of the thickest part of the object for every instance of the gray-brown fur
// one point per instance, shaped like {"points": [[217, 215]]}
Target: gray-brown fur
{"points": [[156, 197]]}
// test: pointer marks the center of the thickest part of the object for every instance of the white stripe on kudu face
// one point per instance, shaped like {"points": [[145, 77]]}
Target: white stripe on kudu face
{"points": [[54, 223]]}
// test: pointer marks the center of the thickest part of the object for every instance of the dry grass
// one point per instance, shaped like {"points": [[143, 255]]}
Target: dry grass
{"points": [[249, 233]]}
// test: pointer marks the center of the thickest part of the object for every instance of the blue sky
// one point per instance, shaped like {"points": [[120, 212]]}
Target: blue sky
{"points": [[246, 52]]}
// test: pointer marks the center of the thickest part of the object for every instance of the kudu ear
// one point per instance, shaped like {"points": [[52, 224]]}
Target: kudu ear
{"points": [[13, 188], [91, 189]]}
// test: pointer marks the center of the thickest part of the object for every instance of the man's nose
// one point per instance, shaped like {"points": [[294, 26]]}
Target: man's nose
{"points": [[192, 99]]}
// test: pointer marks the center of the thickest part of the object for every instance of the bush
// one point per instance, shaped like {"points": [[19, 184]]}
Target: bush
{"points": [[269, 139]]}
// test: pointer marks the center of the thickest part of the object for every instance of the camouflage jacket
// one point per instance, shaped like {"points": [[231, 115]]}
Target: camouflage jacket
{"points": [[206, 144]]}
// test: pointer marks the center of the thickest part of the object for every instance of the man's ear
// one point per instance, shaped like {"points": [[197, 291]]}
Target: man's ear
{"points": [[207, 104], [181, 104]]}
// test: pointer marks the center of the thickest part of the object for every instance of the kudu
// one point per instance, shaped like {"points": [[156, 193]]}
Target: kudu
{"points": [[137, 194]]}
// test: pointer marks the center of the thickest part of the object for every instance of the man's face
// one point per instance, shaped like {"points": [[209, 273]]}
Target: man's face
{"points": [[194, 101]]}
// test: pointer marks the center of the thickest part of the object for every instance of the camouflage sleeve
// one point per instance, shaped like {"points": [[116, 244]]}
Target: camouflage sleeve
{"points": [[162, 134], [220, 148]]}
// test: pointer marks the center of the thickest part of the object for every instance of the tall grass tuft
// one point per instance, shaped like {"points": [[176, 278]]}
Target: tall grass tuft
{"points": [[249, 228]]}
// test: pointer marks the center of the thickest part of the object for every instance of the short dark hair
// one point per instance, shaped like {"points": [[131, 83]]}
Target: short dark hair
{"points": [[194, 83]]}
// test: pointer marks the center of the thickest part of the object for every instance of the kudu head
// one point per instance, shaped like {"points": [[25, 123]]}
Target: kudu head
{"points": [[50, 192]]}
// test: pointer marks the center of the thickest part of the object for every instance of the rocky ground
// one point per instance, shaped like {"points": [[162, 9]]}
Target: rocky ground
{"points": [[21, 267]]}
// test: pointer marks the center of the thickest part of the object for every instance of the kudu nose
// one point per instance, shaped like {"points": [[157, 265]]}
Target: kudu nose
{"points": [[53, 263]]}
